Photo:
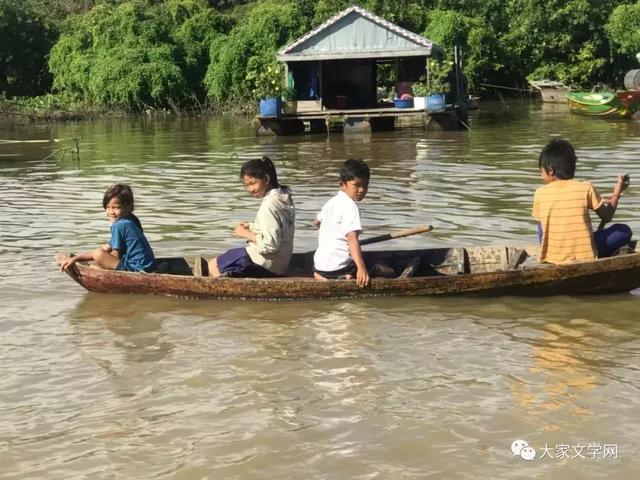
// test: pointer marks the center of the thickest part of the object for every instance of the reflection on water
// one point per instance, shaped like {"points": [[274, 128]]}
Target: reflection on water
{"points": [[561, 358], [114, 386], [137, 334]]}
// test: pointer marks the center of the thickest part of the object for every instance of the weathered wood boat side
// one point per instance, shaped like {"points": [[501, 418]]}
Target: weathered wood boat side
{"points": [[489, 271], [551, 91]]}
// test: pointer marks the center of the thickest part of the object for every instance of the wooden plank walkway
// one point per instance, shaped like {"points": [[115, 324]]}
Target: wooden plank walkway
{"points": [[350, 113]]}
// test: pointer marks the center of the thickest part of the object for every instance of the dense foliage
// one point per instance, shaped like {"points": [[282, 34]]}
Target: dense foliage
{"points": [[251, 46], [25, 41], [141, 54]]}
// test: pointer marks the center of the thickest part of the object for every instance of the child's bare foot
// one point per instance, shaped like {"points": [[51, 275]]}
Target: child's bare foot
{"points": [[317, 276], [213, 268]]}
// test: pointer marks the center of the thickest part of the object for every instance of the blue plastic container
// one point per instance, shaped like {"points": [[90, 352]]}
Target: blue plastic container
{"points": [[403, 102], [270, 107], [435, 102]]}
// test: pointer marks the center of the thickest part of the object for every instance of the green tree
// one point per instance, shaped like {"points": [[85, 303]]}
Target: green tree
{"points": [[623, 28], [25, 40], [251, 46], [195, 27], [558, 39], [119, 56], [477, 40], [325, 9]]}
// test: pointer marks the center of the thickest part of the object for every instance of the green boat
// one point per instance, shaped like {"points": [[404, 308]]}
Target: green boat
{"points": [[605, 104]]}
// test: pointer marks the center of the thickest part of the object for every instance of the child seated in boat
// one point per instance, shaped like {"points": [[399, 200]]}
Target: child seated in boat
{"points": [[128, 249], [270, 236], [562, 205], [338, 254]]}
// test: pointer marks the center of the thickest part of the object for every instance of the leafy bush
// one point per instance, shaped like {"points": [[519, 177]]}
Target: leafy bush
{"points": [[195, 29], [251, 46], [438, 73], [477, 39], [137, 54], [267, 82], [119, 56]]}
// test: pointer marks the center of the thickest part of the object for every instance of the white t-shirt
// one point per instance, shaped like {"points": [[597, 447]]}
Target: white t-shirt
{"points": [[339, 216]]}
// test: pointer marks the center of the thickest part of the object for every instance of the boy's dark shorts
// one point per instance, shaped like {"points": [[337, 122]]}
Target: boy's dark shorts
{"points": [[336, 274]]}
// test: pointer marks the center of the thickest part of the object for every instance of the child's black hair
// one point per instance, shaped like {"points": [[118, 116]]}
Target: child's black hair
{"points": [[559, 157], [123, 193], [354, 169], [261, 168]]}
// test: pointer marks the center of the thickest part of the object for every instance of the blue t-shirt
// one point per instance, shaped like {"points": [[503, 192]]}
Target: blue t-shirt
{"points": [[135, 252]]}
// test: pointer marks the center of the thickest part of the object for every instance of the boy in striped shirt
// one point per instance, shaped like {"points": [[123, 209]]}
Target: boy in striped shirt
{"points": [[562, 205]]}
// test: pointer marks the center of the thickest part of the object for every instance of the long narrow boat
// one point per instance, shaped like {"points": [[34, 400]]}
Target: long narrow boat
{"points": [[551, 91], [489, 271], [605, 104]]}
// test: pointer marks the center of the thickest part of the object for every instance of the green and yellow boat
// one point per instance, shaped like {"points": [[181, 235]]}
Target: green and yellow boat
{"points": [[621, 104]]}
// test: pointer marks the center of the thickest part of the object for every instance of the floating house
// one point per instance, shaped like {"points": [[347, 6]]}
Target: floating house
{"points": [[334, 71]]}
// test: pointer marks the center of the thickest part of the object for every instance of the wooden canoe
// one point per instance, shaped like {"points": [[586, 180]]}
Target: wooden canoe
{"points": [[489, 271], [604, 104]]}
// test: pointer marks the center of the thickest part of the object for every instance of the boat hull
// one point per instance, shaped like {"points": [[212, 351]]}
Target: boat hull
{"points": [[605, 104], [551, 91], [457, 274]]}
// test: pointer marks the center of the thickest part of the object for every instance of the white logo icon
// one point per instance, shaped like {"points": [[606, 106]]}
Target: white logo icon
{"points": [[522, 448]]}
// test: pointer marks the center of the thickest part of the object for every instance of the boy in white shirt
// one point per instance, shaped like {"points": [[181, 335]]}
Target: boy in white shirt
{"points": [[339, 254]]}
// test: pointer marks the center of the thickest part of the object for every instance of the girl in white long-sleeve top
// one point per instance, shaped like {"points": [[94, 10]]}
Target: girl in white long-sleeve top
{"points": [[270, 236]]}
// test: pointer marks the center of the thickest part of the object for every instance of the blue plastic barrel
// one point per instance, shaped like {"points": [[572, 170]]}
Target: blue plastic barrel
{"points": [[435, 102], [270, 107]]}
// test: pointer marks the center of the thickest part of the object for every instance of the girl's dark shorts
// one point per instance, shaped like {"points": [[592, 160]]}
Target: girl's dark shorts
{"points": [[236, 262]]}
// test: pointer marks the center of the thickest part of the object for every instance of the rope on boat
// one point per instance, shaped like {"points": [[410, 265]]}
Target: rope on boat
{"points": [[530, 90]]}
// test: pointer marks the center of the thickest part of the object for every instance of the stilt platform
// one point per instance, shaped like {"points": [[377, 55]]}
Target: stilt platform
{"points": [[454, 117], [336, 120]]}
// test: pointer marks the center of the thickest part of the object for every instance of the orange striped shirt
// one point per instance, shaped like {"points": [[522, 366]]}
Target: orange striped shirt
{"points": [[562, 208]]}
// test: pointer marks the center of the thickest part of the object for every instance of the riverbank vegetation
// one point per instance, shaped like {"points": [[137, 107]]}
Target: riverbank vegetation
{"points": [[204, 55]]}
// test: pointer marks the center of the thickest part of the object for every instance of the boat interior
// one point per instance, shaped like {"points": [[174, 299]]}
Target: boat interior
{"points": [[395, 263]]}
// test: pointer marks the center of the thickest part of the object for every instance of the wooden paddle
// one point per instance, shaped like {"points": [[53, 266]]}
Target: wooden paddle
{"points": [[625, 183], [389, 236], [400, 233]]}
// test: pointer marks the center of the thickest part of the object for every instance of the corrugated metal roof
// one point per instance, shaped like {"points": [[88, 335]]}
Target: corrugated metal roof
{"points": [[356, 33]]}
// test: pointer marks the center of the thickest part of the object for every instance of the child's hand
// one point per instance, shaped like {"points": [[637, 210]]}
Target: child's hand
{"points": [[241, 230], [621, 184], [316, 223], [70, 261], [362, 277], [106, 248], [619, 187]]}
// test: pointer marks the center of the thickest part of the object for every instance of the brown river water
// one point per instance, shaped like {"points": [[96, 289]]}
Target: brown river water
{"points": [[113, 386]]}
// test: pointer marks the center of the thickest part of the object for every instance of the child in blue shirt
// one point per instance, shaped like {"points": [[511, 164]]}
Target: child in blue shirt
{"points": [[128, 250]]}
